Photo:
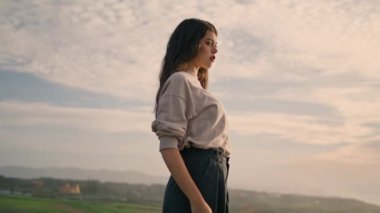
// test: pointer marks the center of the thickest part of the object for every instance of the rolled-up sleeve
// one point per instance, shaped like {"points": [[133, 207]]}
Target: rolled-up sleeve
{"points": [[171, 121]]}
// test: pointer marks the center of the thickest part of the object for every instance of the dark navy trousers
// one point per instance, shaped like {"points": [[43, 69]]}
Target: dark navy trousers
{"points": [[209, 170]]}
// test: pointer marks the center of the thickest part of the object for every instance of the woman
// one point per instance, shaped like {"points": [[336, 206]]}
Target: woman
{"points": [[191, 123]]}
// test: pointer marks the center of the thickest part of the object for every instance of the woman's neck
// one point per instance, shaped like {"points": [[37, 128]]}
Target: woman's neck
{"points": [[192, 70]]}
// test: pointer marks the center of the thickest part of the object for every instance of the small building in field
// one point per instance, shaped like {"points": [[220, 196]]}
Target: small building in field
{"points": [[69, 189]]}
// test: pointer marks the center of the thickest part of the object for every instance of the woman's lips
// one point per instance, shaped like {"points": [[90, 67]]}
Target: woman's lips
{"points": [[212, 58]]}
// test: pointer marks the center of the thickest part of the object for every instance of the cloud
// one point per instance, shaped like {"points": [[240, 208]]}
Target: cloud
{"points": [[336, 37], [93, 46], [301, 129], [20, 114], [354, 119], [99, 46], [355, 154], [32, 133]]}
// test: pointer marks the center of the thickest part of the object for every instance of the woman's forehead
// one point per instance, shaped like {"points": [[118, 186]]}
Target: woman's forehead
{"points": [[210, 35]]}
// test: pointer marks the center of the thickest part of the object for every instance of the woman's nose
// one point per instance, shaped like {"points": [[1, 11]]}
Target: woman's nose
{"points": [[214, 49]]}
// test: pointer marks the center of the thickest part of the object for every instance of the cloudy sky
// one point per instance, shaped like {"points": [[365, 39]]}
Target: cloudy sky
{"points": [[299, 79]]}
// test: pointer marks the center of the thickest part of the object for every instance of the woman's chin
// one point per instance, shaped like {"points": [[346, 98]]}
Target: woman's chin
{"points": [[207, 66]]}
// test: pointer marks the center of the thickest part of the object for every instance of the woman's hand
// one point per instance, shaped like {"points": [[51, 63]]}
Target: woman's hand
{"points": [[200, 207]]}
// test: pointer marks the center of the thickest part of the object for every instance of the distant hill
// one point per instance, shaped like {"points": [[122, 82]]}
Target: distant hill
{"points": [[251, 201], [81, 174], [146, 189], [152, 195]]}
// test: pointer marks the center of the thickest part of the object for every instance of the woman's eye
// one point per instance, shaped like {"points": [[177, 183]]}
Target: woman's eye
{"points": [[209, 43]]}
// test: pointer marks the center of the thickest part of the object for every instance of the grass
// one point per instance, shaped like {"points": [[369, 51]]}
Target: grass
{"points": [[12, 204]]}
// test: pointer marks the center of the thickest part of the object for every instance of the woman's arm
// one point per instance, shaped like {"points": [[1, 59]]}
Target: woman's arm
{"points": [[181, 175]]}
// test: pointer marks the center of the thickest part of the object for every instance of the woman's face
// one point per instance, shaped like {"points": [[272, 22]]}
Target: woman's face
{"points": [[207, 51]]}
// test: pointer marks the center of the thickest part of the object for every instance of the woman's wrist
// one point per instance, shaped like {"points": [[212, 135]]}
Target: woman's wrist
{"points": [[197, 199]]}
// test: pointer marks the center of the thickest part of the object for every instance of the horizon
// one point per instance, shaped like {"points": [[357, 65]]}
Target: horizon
{"points": [[60, 177], [299, 81]]}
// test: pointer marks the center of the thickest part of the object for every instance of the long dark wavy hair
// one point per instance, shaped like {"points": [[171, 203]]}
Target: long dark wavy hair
{"points": [[182, 47]]}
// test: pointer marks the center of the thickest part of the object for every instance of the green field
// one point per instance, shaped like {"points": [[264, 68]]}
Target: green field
{"points": [[11, 204]]}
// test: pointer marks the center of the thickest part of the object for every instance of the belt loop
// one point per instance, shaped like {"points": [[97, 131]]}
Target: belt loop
{"points": [[220, 157]]}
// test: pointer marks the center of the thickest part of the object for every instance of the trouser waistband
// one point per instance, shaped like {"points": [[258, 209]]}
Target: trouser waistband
{"points": [[196, 152]]}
